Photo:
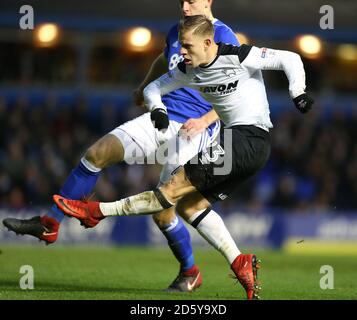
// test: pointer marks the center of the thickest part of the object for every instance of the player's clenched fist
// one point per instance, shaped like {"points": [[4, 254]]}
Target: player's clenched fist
{"points": [[160, 119], [303, 103]]}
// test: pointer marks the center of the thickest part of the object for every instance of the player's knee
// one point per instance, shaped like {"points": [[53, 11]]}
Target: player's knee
{"points": [[94, 156], [187, 207], [164, 217], [171, 192], [175, 188], [185, 210], [105, 152]]}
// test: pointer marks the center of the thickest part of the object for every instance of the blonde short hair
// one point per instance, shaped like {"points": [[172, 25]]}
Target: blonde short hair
{"points": [[199, 24]]}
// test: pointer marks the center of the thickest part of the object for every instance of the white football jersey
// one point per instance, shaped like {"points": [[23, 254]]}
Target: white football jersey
{"points": [[233, 83]]}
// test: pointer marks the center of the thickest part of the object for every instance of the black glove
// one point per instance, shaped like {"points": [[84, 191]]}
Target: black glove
{"points": [[303, 103], [160, 119]]}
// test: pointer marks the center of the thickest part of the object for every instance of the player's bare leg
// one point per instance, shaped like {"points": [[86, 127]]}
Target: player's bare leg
{"points": [[192, 206], [91, 214], [105, 152], [164, 217], [147, 202]]}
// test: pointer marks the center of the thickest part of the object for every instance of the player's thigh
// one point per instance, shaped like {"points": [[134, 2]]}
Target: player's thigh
{"points": [[239, 154], [180, 150], [106, 151], [177, 187], [141, 140], [138, 138], [185, 149], [222, 190]]}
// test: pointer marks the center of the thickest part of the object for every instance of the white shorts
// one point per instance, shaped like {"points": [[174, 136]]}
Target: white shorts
{"points": [[143, 144]]}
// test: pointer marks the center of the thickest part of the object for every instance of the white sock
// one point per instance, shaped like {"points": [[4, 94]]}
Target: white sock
{"points": [[213, 229], [140, 204]]}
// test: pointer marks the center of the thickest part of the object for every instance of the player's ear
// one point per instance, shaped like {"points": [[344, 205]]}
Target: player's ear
{"points": [[207, 42]]}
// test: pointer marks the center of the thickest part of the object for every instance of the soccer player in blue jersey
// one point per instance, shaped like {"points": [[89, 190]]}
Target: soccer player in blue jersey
{"points": [[187, 112]]}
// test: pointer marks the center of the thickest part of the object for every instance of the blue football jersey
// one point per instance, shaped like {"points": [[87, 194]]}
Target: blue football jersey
{"points": [[186, 103]]}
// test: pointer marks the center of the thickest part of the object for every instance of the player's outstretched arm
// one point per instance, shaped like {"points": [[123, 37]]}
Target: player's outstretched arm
{"points": [[158, 68], [287, 61]]}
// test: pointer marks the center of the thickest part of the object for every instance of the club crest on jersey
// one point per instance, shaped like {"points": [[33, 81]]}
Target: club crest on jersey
{"points": [[230, 72], [221, 89]]}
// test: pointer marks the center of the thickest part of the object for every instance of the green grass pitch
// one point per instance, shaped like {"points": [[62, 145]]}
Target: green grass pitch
{"points": [[142, 272]]}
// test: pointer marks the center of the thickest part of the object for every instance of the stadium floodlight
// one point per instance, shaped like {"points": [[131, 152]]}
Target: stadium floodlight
{"points": [[46, 34], [242, 38], [347, 52], [139, 38], [310, 46]]}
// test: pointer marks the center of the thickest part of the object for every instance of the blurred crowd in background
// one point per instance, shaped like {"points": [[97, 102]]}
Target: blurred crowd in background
{"points": [[313, 166], [108, 49]]}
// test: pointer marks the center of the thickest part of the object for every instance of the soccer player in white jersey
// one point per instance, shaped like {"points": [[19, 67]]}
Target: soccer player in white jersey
{"points": [[187, 110], [230, 78]]}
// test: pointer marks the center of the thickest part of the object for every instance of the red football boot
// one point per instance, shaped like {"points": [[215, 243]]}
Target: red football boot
{"points": [[87, 212], [245, 268]]}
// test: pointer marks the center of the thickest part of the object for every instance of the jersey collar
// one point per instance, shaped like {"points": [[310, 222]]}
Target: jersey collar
{"points": [[215, 59]]}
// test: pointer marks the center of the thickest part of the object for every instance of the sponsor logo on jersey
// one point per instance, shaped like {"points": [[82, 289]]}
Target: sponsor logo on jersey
{"points": [[175, 44], [221, 89]]}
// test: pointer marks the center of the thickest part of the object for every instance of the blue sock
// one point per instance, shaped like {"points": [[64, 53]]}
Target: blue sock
{"points": [[78, 185], [179, 241]]}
